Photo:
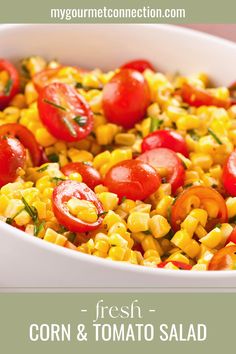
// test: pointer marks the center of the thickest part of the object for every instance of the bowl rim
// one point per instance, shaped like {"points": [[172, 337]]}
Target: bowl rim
{"points": [[96, 261]]}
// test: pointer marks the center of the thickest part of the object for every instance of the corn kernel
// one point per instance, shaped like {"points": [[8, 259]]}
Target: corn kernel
{"points": [[138, 221], [159, 226]]}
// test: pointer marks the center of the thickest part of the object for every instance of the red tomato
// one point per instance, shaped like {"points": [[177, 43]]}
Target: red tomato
{"points": [[140, 65], [125, 98], [13, 84], [197, 97], [163, 158], [183, 203], [90, 175], [12, 156], [25, 136], [229, 174], [180, 265], [45, 77], [224, 259], [132, 179], [232, 237], [165, 139], [62, 194], [65, 113]]}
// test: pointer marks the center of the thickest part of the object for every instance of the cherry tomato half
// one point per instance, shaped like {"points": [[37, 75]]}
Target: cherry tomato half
{"points": [[132, 179], [89, 174], [224, 259], [165, 139], [65, 191], [125, 98], [12, 156], [197, 196], [197, 97], [12, 85], [180, 265], [163, 158], [140, 65], [27, 138], [64, 112], [45, 77], [232, 237], [229, 174]]}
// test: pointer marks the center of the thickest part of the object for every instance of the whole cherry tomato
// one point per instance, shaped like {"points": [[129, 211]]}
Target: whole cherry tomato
{"points": [[12, 157], [229, 174], [89, 174], [132, 179], [224, 259], [140, 65], [11, 87], [197, 196], [64, 112], [163, 158], [62, 194], [27, 139], [126, 98], [165, 139], [180, 265]]}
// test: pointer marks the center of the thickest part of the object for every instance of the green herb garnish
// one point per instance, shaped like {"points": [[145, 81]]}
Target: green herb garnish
{"points": [[218, 225], [147, 232], [193, 135], [232, 220], [123, 199], [42, 169], [38, 227], [210, 131], [57, 179], [55, 105], [79, 85], [69, 126], [10, 220], [71, 237], [102, 213], [53, 157], [155, 124], [8, 87], [188, 185], [80, 120], [32, 211]]}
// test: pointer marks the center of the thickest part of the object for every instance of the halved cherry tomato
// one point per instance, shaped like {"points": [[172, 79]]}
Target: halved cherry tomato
{"points": [[125, 98], [197, 97], [89, 174], [12, 156], [65, 113], [25, 136], [163, 158], [12, 86], [197, 196], [61, 195], [45, 77], [229, 174], [232, 237], [140, 65], [132, 179], [165, 139], [180, 265], [224, 259]]}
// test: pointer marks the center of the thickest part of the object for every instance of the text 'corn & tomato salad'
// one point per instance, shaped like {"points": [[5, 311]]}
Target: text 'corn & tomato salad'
{"points": [[130, 165]]}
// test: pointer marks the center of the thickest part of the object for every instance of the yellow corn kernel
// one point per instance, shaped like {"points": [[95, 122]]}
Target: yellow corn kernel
{"points": [[142, 207], [199, 267], [163, 206], [102, 246], [200, 231], [150, 243], [188, 122], [79, 155], [189, 224], [117, 240], [138, 221], [100, 254], [213, 238], [117, 228], [200, 215], [101, 159], [151, 253], [41, 209], [83, 209], [43, 183], [138, 236], [98, 120], [216, 172], [231, 206], [181, 239], [105, 133], [4, 200], [101, 236], [127, 139], [163, 190], [75, 177], [53, 237], [211, 207], [178, 257], [44, 138], [127, 205], [23, 218], [31, 94], [226, 230], [202, 160], [117, 253], [119, 155], [153, 110], [171, 266], [100, 188], [159, 226], [192, 249], [110, 219], [11, 188], [13, 208], [108, 200]]}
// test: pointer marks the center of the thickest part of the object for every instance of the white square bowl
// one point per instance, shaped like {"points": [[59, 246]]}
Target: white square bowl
{"points": [[26, 261]]}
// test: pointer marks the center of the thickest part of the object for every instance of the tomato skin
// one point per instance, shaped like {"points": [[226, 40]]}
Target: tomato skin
{"points": [[232, 237], [65, 191], [224, 259], [178, 212], [165, 139], [89, 174], [229, 174], [139, 65], [197, 97], [27, 139], [5, 65], [52, 117], [45, 77], [12, 157], [126, 98], [180, 265], [133, 179], [166, 158]]}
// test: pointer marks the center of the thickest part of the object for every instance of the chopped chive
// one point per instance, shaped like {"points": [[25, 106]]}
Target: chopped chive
{"points": [[57, 179], [218, 225], [102, 213], [53, 157], [210, 131], [147, 232], [79, 85], [123, 199], [80, 120], [10, 220], [232, 220], [193, 135], [62, 229], [55, 105], [188, 185], [71, 237], [42, 169], [139, 133], [155, 124], [30, 210], [69, 126], [86, 163], [25, 70], [38, 227], [8, 87]]}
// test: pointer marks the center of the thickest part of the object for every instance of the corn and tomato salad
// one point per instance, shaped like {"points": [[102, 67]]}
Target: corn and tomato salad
{"points": [[129, 165]]}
